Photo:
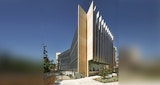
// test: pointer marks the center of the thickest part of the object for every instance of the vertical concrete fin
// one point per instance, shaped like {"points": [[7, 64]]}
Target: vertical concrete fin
{"points": [[82, 41]]}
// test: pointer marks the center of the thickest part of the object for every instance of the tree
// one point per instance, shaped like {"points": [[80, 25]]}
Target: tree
{"points": [[104, 72], [46, 65], [52, 66]]}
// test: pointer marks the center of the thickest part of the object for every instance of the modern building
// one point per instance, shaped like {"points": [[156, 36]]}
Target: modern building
{"points": [[92, 42]]}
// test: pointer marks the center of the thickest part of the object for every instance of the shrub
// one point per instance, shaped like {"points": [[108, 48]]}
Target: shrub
{"points": [[104, 72]]}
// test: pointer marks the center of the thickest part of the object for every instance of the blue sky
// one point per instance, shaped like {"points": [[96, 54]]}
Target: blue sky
{"points": [[26, 24]]}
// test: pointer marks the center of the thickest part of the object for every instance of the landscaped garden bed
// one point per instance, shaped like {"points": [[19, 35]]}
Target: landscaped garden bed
{"points": [[107, 80]]}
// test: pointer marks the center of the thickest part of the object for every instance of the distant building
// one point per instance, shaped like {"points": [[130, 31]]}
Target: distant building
{"points": [[57, 57], [92, 42], [114, 57]]}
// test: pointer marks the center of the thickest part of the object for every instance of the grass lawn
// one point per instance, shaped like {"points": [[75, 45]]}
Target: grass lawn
{"points": [[107, 80]]}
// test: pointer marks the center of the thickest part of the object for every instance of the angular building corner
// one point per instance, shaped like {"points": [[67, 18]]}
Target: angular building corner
{"points": [[82, 41]]}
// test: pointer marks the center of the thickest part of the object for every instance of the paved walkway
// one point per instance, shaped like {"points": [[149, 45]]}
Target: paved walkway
{"points": [[83, 81]]}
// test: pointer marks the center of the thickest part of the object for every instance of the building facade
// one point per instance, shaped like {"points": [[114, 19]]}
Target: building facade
{"points": [[57, 61], [64, 60], [92, 41]]}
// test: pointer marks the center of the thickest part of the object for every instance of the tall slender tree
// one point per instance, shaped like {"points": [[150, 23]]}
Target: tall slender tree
{"points": [[46, 61]]}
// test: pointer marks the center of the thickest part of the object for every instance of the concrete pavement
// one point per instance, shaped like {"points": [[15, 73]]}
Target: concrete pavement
{"points": [[83, 81]]}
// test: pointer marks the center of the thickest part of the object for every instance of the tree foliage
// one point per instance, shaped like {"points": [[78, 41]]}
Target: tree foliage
{"points": [[104, 72], [48, 65]]}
